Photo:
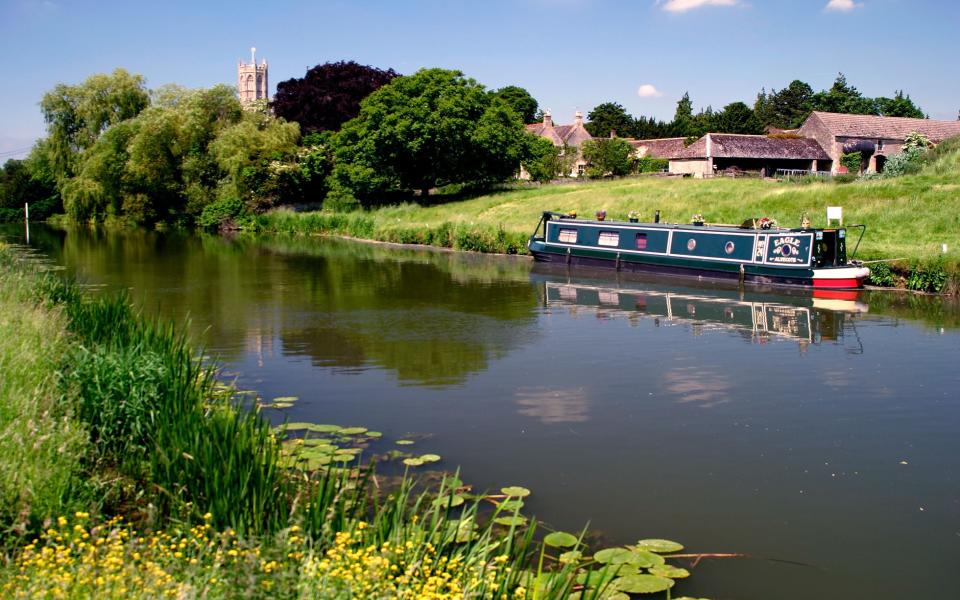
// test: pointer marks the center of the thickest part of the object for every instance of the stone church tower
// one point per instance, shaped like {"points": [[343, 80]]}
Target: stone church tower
{"points": [[252, 79]]}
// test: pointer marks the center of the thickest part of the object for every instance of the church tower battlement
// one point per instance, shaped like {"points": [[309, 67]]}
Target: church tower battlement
{"points": [[252, 79]]}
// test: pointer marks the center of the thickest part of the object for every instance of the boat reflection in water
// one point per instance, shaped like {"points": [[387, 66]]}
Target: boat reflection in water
{"points": [[758, 316]]}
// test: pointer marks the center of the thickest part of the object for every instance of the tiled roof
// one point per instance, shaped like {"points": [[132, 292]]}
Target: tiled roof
{"points": [[729, 145], [570, 135], [661, 147], [894, 128]]}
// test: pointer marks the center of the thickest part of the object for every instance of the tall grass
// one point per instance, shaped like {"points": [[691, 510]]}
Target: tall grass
{"points": [[41, 444]]}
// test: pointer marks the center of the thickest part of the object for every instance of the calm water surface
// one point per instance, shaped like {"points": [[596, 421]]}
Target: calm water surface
{"points": [[818, 437]]}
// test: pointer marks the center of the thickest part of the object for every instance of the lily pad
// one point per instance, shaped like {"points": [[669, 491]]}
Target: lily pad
{"points": [[353, 430], [429, 458], [669, 571], [374, 434], [412, 462], [641, 558], [511, 521], [510, 505], [285, 399], [449, 501], [560, 539], [659, 546], [571, 557], [344, 458], [296, 426], [404, 442], [596, 579], [325, 428], [515, 491], [643, 584], [279, 405], [607, 555]]}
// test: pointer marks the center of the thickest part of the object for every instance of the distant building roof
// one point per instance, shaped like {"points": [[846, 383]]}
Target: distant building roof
{"points": [[894, 128], [731, 145], [659, 148], [560, 135]]}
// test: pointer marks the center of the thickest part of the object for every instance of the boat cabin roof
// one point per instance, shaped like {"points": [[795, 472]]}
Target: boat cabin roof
{"points": [[560, 217]]}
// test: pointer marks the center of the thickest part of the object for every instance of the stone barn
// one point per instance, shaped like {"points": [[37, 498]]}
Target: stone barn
{"points": [[877, 138], [717, 153]]}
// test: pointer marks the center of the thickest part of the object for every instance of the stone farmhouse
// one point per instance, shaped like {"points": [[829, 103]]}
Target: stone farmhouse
{"points": [[876, 137], [567, 137]]}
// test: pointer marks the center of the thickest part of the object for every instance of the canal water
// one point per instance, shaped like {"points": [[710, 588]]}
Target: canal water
{"points": [[816, 436]]}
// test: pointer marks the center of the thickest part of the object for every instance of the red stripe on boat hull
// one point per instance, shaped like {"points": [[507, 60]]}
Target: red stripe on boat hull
{"points": [[842, 284]]}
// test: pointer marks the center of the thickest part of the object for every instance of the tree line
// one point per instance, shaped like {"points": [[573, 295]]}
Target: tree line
{"points": [[346, 134], [787, 108]]}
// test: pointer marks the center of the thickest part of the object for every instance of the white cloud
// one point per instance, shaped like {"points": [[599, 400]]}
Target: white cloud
{"points": [[842, 5], [679, 6], [648, 90]]}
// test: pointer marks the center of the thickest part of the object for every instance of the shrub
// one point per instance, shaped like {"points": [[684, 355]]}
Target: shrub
{"points": [[853, 161], [649, 164], [928, 277], [906, 162], [221, 212]]}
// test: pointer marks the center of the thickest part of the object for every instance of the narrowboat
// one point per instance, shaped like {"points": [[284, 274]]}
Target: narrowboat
{"points": [[757, 251]]}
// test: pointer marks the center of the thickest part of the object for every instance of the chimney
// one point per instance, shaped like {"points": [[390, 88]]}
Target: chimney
{"points": [[547, 119], [578, 118]]}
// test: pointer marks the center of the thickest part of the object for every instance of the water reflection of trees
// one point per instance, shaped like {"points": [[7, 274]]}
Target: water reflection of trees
{"points": [[431, 317]]}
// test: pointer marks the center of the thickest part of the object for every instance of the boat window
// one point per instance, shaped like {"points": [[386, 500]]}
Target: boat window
{"points": [[641, 241], [609, 238], [568, 236], [729, 248], [691, 244]]}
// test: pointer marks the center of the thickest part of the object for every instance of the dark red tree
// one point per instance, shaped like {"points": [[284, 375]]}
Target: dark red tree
{"points": [[328, 95]]}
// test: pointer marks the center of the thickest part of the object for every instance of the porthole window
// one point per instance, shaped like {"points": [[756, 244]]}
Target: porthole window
{"points": [[729, 248], [567, 236], [691, 244]]}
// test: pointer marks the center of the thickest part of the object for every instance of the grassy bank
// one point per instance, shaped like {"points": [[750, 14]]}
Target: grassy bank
{"points": [[129, 472], [907, 217]]}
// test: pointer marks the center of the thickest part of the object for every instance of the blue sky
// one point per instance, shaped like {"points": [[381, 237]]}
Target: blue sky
{"points": [[570, 54]]}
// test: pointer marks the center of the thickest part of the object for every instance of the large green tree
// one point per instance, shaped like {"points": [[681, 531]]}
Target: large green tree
{"points": [[736, 117], [520, 101], [76, 115], [787, 108], [435, 127], [19, 186], [607, 117], [607, 156], [843, 98], [901, 105]]}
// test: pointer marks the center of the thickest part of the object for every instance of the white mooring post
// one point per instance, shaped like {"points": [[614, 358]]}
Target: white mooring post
{"points": [[26, 219]]}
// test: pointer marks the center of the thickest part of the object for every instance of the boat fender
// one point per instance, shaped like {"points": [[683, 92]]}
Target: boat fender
{"points": [[742, 274], [568, 256], [618, 261]]}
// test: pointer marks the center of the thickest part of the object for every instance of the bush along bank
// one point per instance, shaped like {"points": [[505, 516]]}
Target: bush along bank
{"points": [[135, 474], [458, 236]]}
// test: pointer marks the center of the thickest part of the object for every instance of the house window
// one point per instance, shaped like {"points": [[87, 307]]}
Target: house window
{"points": [[879, 145], [641, 241], [580, 169], [609, 238], [567, 236]]}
